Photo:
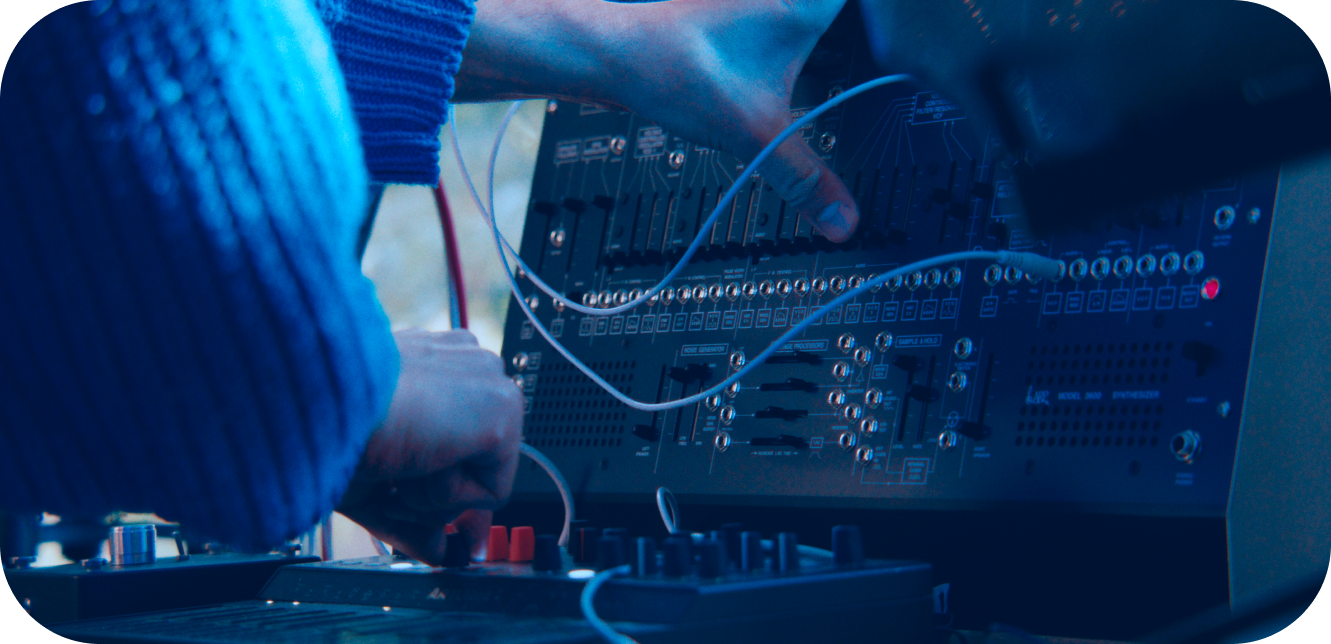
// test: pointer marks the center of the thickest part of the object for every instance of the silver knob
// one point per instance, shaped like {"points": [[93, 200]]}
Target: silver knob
{"points": [[133, 544]]}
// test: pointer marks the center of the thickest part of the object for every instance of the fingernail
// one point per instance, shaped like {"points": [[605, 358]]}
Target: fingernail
{"points": [[834, 221]]}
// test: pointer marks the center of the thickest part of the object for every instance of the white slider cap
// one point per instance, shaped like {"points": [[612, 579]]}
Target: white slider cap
{"points": [[1037, 265]]}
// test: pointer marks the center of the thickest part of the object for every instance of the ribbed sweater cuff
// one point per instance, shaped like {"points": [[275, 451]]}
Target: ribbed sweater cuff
{"points": [[399, 58]]}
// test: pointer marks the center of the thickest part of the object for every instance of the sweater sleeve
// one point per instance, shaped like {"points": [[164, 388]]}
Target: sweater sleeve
{"points": [[399, 58], [185, 327]]}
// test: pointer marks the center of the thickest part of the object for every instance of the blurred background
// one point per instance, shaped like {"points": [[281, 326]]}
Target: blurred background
{"points": [[405, 255]]}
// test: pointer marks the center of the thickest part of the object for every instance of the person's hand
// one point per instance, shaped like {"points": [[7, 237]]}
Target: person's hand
{"points": [[721, 73], [717, 72], [448, 445]]}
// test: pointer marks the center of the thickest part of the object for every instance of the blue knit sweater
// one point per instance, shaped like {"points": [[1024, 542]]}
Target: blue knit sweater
{"points": [[184, 328]]}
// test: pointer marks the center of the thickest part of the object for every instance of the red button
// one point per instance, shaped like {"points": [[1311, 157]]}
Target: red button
{"points": [[522, 544], [1210, 288], [449, 529], [497, 548]]}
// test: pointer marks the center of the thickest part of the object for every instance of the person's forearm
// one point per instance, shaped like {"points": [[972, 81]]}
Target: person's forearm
{"points": [[564, 49]]}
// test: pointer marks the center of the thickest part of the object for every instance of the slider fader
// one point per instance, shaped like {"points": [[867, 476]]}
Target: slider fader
{"points": [[717, 587]]}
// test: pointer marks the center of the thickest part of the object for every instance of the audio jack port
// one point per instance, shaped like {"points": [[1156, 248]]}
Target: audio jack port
{"points": [[864, 454], [722, 441], [869, 426], [963, 348], [1123, 267], [733, 389], [1186, 445], [1100, 268], [852, 412], [836, 398], [846, 342], [948, 440], [1080, 267], [863, 356], [952, 278], [957, 381], [847, 440], [713, 402], [1170, 263], [840, 370], [801, 287], [883, 341], [737, 360], [873, 397], [727, 414]]}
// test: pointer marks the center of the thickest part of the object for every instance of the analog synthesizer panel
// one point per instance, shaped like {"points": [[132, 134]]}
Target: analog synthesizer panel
{"points": [[1117, 388]]}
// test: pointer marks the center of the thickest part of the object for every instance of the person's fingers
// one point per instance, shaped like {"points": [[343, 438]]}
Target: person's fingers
{"points": [[812, 189], [476, 525], [424, 543]]}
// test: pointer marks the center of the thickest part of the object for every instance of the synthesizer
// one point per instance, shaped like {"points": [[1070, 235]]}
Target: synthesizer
{"points": [[1118, 385], [1104, 429], [730, 586]]}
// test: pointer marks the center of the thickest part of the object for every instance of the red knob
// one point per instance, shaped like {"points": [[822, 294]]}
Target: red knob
{"points": [[497, 548], [522, 544]]}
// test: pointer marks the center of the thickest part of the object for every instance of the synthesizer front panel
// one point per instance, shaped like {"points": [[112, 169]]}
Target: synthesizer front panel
{"points": [[1116, 388]]}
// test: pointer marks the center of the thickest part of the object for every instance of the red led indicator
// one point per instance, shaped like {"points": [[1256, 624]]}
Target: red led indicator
{"points": [[1210, 288]]}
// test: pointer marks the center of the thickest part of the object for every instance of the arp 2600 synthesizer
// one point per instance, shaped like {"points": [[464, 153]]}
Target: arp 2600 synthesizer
{"points": [[1079, 435]]}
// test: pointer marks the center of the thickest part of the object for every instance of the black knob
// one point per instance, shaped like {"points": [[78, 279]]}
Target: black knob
{"points": [[733, 547], [723, 546], [582, 547], [678, 557], [847, 545], [751, 555], [645, 564], [787, 555], [610, 552], [546, 556], [457, 550], [711, 562]]}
